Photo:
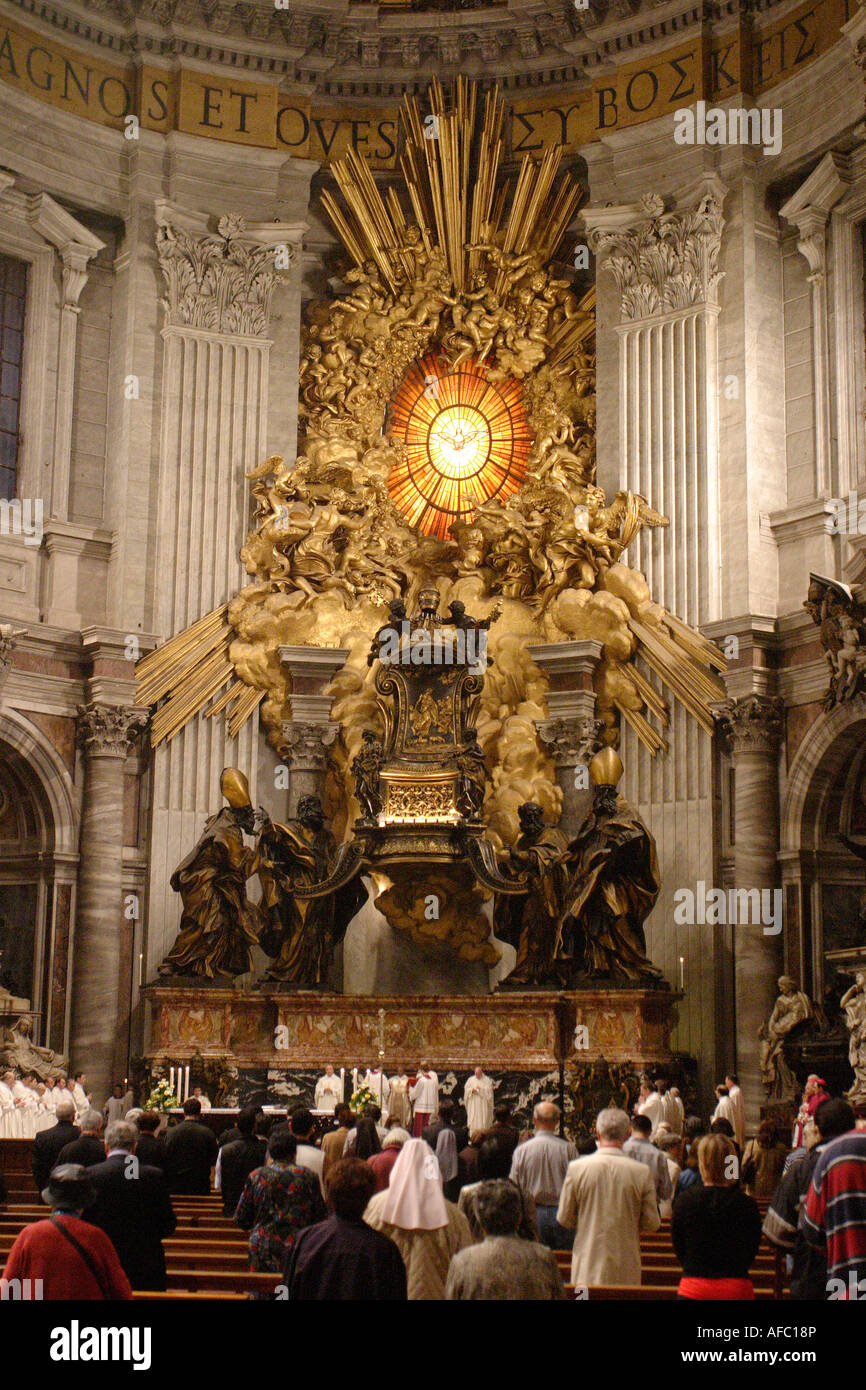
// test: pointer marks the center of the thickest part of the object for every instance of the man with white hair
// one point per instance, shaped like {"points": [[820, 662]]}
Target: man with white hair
{"points": [[49, 1142], [539, 1167], [610, 1199], [88, 1149]]}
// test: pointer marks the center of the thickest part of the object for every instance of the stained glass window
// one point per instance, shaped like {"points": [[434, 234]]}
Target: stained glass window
{"points": [[465, 441]]}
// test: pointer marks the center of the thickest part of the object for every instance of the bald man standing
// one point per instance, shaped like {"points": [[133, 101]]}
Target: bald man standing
{"points": [[539, 1167]]}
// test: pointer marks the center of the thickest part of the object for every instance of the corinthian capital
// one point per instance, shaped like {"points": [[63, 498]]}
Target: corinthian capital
{"points": [[110, 730], [662, 260], [752, 724], [570, 741], [305, 746], [220, 281], [8, 637]]}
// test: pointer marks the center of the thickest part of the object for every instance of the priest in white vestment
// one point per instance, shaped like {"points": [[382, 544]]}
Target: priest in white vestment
{"points": [[675, 1113], [376, 1081], [329, 1091], [651, 1104], [478, 1100], [424, 1096], [735, 1096], [8, 1117], [24, 1109], [79, 1094], [49, 1100], [399, 1104], [45, 1114]]}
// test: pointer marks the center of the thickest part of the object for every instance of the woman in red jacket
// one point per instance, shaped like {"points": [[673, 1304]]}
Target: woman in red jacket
{"points": [[65, 1257]]}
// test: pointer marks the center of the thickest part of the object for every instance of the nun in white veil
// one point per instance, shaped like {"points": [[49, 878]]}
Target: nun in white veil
{"points": [[413, 1211]]}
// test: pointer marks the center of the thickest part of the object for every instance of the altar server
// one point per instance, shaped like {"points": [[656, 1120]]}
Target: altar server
{"points": [[199, 1095], [424, 1096], [399, 1104], [735, 1096], [478, 1099], [724, 1109]]}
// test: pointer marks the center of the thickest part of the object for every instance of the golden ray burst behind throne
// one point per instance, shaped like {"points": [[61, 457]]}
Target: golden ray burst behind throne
{"points": [[447, 420]]}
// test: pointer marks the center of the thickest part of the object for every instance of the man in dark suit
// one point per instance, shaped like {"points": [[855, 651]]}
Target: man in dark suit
{"points": [[238, 1159], [89, 1149], [190, 1153], [49, 1142], [132, 1207], [150, 1149]]}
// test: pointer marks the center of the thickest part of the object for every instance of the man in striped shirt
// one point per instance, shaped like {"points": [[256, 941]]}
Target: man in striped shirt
{"points": [[836, 1214]]}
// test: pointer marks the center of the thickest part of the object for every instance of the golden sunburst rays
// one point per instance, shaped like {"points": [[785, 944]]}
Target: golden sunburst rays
{"points": [[451, 170], [464, 442], [182, 675], [686, 663]]}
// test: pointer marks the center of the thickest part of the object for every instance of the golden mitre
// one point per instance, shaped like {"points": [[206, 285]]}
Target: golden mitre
{"points": [[606, 768], [235, 787]]}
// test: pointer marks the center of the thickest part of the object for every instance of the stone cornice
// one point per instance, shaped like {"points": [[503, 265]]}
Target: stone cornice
{"points": [[344, 49]]}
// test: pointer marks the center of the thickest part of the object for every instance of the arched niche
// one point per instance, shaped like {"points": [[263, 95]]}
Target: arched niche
{"points": [[824, 881], [38, 861]]}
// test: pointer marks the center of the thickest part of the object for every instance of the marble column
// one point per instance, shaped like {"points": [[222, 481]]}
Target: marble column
{"points": [[213, 430], [571, 732], [106, 734], [753, 726], [664, 258], [309, 733]]}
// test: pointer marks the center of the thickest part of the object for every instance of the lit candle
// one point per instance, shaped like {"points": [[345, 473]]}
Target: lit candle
{"points": [[186, 1084], [171, 1078], [354, 1080], [682, 972]]}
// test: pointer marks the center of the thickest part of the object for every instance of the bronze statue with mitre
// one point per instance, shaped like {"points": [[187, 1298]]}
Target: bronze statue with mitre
{"points": [[219, 925], [308, 897], [614, 881]]}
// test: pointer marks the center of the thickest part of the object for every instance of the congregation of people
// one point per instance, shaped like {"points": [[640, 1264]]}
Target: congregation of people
{"points": [[450, 1199]]}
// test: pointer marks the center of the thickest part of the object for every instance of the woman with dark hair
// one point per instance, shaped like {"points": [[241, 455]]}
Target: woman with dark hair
{"points": [[278, 1201], [763, 1162], [367, 1142], [343, 1258]]}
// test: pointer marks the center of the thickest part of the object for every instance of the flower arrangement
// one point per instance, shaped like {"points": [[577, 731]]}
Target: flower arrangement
{"points": [[360, 1099], [162, 1098]]}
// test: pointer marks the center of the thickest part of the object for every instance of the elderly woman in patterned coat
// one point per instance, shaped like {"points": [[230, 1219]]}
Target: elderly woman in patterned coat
{"points": [[277, 1202]]}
